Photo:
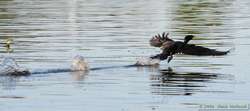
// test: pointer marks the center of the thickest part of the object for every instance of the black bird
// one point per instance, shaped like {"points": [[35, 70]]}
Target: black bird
{"points": [[171, 47]]}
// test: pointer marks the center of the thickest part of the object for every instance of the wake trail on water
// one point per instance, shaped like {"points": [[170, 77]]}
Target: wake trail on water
{"points": [[10, 67]]}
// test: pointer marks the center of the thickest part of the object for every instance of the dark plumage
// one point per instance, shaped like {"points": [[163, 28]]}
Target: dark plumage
{"points": [[171, 47]]}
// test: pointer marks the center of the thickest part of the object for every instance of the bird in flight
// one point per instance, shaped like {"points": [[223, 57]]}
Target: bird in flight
{"points": [[170, 47]]}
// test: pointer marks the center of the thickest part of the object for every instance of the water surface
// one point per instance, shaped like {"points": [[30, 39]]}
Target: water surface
{"points": [[47, 34]]}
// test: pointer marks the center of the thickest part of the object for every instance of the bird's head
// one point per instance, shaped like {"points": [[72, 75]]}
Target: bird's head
{"points": [[188, 38]]}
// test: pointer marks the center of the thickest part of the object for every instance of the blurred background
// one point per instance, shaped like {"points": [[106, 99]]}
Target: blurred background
{"points": [[47, 34]]}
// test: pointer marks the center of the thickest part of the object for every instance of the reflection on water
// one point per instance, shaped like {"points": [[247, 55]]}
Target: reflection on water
{"points": [[154, 68], [199, 17], [8, 82], [206, 20], [183, 83], [79, 75]]}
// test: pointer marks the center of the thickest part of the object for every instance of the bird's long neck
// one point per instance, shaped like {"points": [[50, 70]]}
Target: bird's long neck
{"points": [[186, 41]]}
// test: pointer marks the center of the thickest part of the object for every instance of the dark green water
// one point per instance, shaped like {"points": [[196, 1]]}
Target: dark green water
{"points": [[48, 33]]}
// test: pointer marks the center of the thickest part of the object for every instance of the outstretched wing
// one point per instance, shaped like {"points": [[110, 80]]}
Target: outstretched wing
{"points": [[158, 39], [191, 49]]}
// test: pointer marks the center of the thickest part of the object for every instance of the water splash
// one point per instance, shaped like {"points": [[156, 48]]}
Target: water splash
{"points": [[10, 67], [79, 64], [146, 61]]}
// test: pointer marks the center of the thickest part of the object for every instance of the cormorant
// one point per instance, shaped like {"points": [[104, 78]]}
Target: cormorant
{"points": [[171, 47]]}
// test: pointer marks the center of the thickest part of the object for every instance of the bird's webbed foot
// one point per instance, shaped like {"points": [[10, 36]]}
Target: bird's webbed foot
{"points": [[170, 58]]}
